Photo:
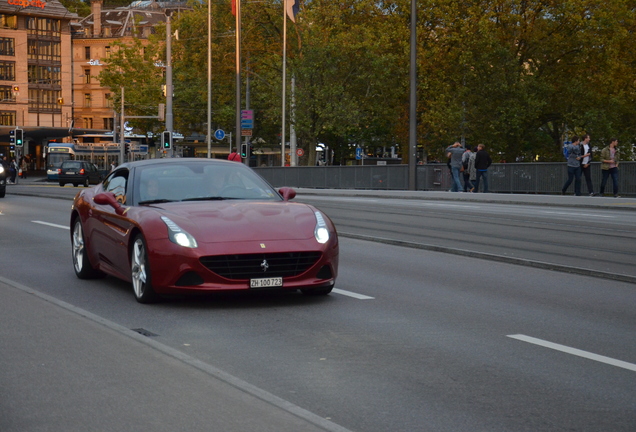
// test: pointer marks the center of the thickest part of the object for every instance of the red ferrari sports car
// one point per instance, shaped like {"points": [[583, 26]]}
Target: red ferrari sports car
{"points": [[193, 225]]}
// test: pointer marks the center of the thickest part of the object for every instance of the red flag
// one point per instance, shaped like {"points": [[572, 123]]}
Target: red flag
{"points": [[292, 7], [233, 7]]}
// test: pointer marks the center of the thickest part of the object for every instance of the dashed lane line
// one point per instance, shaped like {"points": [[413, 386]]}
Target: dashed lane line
{"points": [[576, 352]]}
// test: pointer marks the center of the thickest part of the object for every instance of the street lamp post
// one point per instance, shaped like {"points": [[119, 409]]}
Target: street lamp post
{"points": [[209, 135], [413, 100]]}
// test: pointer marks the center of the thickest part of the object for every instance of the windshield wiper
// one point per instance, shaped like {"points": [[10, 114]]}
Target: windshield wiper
{"points": [[213, 198], [157, 201]]}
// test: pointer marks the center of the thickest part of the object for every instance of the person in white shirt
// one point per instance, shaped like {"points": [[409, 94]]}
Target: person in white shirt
{"points": [[586, 168]]}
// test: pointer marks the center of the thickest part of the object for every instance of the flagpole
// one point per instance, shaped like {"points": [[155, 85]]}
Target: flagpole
{"points": [[282, 135]]}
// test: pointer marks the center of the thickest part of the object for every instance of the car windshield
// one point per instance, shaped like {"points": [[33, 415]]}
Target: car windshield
{"points": [[195, 181]]}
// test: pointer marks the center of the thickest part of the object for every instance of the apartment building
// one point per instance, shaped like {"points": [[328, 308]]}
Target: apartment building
{"points": [[93, 42], [35, 72]]}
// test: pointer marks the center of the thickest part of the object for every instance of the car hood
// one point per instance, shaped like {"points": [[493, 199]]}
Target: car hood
{"points": [[238, 220]]}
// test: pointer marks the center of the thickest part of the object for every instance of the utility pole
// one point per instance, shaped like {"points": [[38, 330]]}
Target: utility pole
{"points": [[122, 139], [238, 75], [169, 90], [413, 100]]}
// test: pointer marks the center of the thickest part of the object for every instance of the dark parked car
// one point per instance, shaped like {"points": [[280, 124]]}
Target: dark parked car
{"points": [[78, 172]]}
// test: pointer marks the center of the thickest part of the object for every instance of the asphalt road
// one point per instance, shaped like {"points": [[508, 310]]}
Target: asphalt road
{"points": [[411, 340]]}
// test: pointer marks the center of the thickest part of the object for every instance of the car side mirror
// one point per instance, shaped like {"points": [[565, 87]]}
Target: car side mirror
{"points": [[287, 193], [108, 198]]}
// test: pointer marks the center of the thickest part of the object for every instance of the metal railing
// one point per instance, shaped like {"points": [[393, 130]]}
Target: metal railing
{"points": [[539, 178]]}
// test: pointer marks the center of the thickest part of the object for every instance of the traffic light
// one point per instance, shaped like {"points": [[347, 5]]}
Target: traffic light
{"points": [[243, 150], [166, 140], [127, 148], [12, 136], [19, 137]]}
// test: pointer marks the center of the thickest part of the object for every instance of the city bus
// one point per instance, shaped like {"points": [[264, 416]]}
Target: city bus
{"points": [[55, 154], [102, 154]]}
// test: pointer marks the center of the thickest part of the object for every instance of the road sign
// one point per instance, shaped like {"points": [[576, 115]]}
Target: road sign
{"points": [[247, 114], [300, 152], [246, 132], [219, 134], [247, 124], [358, 153]]}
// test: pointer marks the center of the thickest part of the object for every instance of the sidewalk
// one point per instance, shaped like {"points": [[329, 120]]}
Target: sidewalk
{"points": [[65, 369]]}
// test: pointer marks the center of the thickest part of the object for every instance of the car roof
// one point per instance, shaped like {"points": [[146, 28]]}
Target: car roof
{"points": [[176, 161]]}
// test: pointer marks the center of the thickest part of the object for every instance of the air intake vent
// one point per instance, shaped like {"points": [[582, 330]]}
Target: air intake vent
{"points": [[261, 265]]}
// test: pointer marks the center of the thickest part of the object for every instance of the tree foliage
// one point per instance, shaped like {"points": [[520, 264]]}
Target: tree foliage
{"points": [[519, 76]]}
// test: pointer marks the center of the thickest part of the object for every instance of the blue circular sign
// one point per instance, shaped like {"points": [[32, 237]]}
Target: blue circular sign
{"points": [[219, 134]]}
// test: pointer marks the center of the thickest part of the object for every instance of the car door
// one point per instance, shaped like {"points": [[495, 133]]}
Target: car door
{"points": [[110, 231]]}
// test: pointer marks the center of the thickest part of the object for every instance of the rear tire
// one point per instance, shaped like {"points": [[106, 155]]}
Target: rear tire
{"points": [[74, 184], [140, 272], [81, 264], [62, 184]]}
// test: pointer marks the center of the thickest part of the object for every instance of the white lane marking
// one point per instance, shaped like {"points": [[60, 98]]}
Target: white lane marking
{"points": [[51, 224], [576, 352], [578, 214], [352, 294]]}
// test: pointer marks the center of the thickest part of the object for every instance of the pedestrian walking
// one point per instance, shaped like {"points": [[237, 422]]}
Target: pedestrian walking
{"points": [[23, 168], [465, 161], [586, 163], [456, 151], [482, 163], [574, 166], [472, 170], [13, 170], [609, 166]]}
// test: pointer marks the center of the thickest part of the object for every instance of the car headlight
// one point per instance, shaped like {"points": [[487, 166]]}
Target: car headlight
{"points": [[178, 235], [1, 169], [321, 232]]}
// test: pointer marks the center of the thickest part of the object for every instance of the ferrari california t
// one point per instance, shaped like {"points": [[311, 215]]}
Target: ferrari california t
{"points": [[184, 225]]}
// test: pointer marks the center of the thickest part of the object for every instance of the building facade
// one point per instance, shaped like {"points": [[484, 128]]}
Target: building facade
{"points": [[35, 73]]}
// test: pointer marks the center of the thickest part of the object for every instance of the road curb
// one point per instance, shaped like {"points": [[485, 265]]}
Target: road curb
{"points": [[492, 257]]}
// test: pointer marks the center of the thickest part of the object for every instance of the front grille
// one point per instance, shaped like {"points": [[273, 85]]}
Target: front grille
{"points": [[251, 266]]}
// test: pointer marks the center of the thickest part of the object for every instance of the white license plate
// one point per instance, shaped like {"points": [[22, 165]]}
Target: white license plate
{"points": [[70, 172], [266, 282]]}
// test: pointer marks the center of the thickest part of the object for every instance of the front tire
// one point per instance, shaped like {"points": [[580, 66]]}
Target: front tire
{"points": [[140, 272], [62, 184], [86, 183], [82, 265]]}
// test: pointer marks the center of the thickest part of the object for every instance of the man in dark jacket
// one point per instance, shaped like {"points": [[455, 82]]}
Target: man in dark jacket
{"points": [[482, 162]]}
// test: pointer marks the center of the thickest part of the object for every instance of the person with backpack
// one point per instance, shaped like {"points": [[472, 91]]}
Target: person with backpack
{"points": [[465, 160], [574, 166]]}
